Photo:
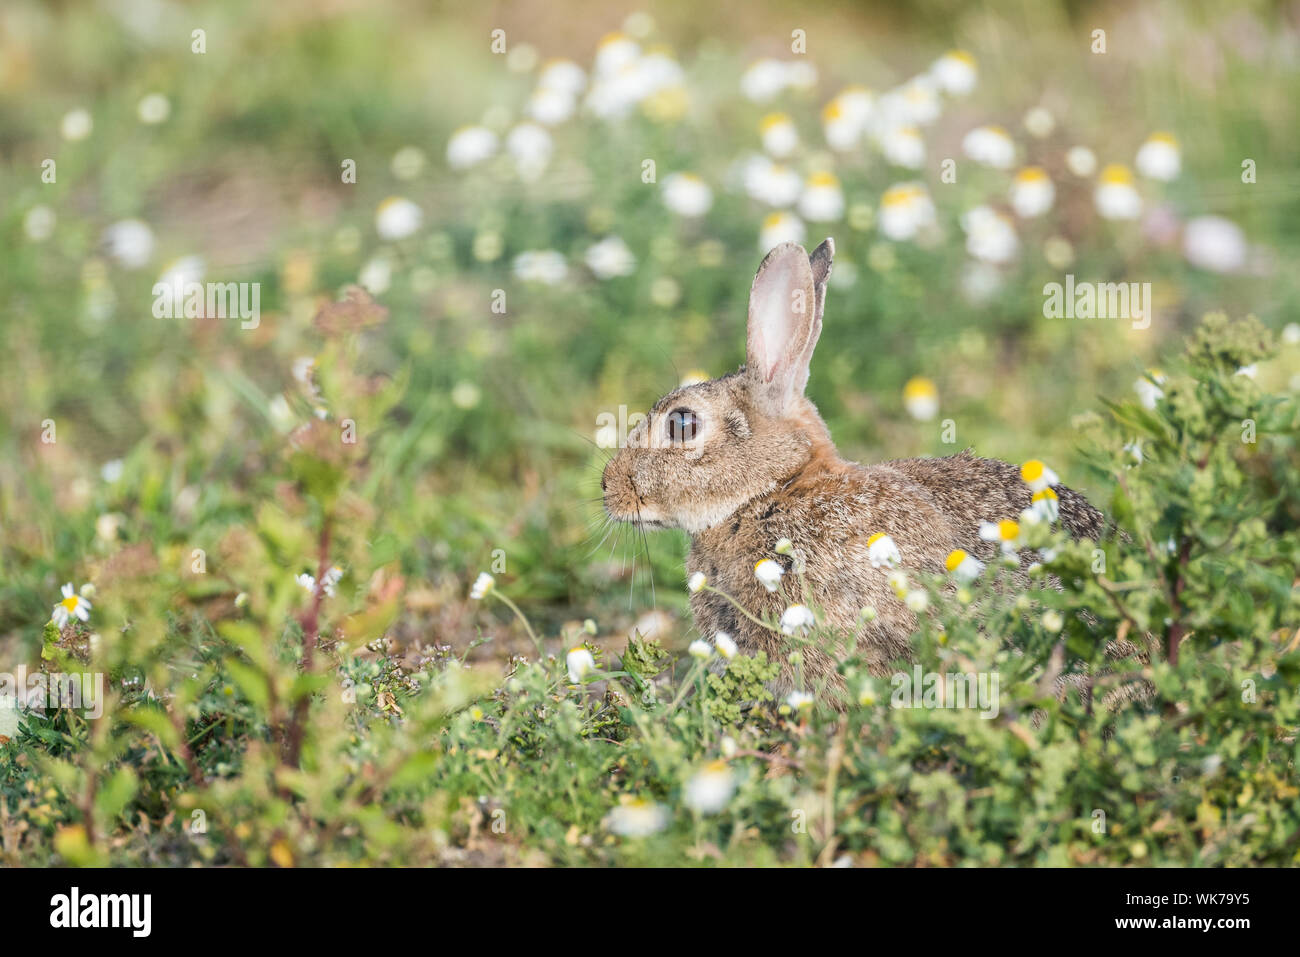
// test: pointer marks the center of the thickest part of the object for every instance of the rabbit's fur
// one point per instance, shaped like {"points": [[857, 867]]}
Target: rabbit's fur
{"points": [[762, 467]]}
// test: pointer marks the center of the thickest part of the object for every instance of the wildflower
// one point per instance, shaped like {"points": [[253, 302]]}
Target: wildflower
{"points": [[797, 620], [1215, 244], [471, 145], [771, 183], [917, 601], [882, 552], [1159, 157], [919, 98], [530, 145], [397, 218], [822, 199], [76, 125], [777, 130], [990, 237], [769, 573], [963, 566], [696, 582], [799, 701], [904, 147], [921, 399], [545, 266], [1115, 196], [905, 209], [580, 663], [784, 547], [841, 124], [780, 228], [725, 644], [710, 788], [589, 626], [955, 72], [1032, 193], [72, 605], [687, 195], [1148, 388], [991, 146], [728, 746], [550, 106], [867, 694], [764, 80], [615, 51], [130, 242], [483, 586], [1039, 122], [562, 76], [1005, 532], [332, 577], [376, 275], [898, 583], [700, 650], [1052, 620], [610, 258], [636, 817], [1046, 504], [1038, 476], [868, 614], [153, 108], [1081, 161]]}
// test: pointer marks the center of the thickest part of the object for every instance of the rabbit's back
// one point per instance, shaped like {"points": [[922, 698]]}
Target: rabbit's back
{"points": [[970, 490]]}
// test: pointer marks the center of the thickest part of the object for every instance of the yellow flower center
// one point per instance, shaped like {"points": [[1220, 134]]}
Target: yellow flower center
{"points": [[1032, 470], [1031, 174], [961, 56], [773, 120], [919, 388], [955, 558], [823, 179], [1048, 492], [875, 538], [1117, 174], [71, 603], [1008, 529], [1165, 138]]}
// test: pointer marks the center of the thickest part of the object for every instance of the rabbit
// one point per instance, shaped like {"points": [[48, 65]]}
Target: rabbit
{"points": [[742, 461]]}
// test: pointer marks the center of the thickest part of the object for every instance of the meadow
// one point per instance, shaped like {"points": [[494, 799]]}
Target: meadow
{"points": [[330, 533]]}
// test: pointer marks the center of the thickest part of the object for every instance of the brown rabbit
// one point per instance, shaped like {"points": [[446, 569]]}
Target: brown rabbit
{"points": [[743, 461]]}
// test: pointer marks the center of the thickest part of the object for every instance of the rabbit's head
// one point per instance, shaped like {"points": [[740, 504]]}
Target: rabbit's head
{"points": [[704, 450]]}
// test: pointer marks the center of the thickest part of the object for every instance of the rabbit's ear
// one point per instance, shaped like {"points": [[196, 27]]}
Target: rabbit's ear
{"points": [[785, 305]]}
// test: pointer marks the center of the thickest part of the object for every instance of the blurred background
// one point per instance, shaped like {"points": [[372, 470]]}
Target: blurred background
{"points": [[562, 205]]}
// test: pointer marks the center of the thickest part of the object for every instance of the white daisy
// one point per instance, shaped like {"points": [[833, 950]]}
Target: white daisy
{"points": [[610, 258], [483, 586], [1032, 192], [471, 145], [687, 195], [963, 566], [769, 573], [71, 606], [797, 620], [1159, 157], [882, 552], [991, 146], [710, 789], [580, 663], [1116, 196]]}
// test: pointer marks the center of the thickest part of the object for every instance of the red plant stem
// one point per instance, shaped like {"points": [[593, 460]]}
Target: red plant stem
{"points": [[310, 637]]}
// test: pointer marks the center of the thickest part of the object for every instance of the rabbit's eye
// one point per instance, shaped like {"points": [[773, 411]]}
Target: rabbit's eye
{"points": [[683, 424]]}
